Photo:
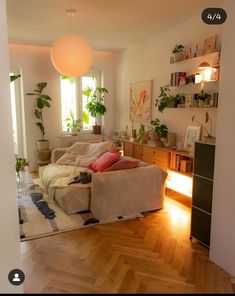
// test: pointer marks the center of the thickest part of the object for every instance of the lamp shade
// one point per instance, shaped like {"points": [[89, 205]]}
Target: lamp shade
{"points": [[71, 55], [204, 65]]}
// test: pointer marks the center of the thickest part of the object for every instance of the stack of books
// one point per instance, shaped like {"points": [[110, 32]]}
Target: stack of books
{"points": [[178, 78]]}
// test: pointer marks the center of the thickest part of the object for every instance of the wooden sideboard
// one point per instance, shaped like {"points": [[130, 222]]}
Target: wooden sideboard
{"points": [[165, 158]]}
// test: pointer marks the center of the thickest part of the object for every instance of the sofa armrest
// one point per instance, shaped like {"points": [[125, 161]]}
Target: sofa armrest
{"points": [[57, 153], [127, 192]]}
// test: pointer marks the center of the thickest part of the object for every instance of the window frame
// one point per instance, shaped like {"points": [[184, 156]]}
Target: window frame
{"points": [[79, 112]]}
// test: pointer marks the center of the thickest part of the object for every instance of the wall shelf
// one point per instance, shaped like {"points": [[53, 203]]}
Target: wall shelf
{"points": [[198, 57], [196, 84]]}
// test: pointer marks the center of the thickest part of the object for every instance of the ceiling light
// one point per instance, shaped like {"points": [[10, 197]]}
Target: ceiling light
{"points": [[71, 55], [204, 65]]}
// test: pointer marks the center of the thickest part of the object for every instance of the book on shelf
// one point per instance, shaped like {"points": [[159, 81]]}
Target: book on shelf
{"points": [[178, 78]]}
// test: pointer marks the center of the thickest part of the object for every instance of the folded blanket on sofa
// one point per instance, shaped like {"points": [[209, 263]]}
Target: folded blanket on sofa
{"points": [[55, 176], [83, 154]]}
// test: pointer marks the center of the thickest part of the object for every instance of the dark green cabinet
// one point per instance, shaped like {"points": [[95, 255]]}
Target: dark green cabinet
{"points": [[203, 176]]}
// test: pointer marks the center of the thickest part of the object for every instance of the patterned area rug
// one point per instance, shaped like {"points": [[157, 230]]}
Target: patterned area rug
{"points": [[38, 218]]}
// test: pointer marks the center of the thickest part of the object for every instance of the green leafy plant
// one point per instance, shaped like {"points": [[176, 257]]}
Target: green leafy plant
{"points": [[179, 99], [140, 134], [160, 129], [20, 164], [178, 48], [202, 95], [42, 101], [207, 119], [14, 77], [165, 98], [95, 105], [73, 123]]}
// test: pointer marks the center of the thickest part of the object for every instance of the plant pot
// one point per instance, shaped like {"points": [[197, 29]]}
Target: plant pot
{"points": [[171, 140], [155, 138], [44, 154], [74, 132], [178, 56], [97, 129], [43, 144]]}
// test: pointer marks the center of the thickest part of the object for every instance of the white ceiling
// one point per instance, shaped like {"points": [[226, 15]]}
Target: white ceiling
{"points": [[105, 24]]}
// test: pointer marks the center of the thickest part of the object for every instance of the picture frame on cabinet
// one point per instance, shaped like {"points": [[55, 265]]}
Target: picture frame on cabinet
{"points": [[193, 134]]}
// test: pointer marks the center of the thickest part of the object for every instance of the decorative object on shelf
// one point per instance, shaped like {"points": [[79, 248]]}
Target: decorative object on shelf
{"points": [[140, 135], [42, 101], [178, 52], [188, 101], [73, 125], [193, 134], [210, 44], [95, 105], [165, 98], [179, 101], [203, 99], [20, 165], [204, 65], [208, 119], [141, 101], [170, 140], [71, 55]]}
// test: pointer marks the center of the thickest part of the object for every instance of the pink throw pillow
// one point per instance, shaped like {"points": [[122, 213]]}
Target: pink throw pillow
{"points": [[123, 164], [104, 161]]}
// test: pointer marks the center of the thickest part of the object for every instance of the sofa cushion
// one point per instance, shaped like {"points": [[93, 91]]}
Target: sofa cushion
{"points": [[123, 164], [104, 161]]}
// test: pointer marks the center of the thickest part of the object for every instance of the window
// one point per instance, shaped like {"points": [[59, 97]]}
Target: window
{"points": [[73, 100]]}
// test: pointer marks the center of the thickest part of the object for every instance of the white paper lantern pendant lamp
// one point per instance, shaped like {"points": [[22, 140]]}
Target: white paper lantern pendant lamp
{"points": [[71, 55]]}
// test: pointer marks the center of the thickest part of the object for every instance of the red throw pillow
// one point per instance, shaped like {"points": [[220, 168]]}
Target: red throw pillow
{"points": [[104, 161], [123, 164]]}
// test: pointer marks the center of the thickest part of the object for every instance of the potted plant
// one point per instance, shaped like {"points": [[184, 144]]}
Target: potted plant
{"points": [[42, 101], [165, 98], [203, 98], [160, 132], [95, 104], [20, 165], [178, 52], [73, 125]]}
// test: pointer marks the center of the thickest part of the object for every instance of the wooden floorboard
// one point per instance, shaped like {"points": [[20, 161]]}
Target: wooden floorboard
{"points": [[150, 255]]}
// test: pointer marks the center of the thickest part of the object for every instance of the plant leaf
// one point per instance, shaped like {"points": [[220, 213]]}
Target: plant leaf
{"points": [[37, 113], [46, 104], [41, 86], [14, 77], [40, 104]]}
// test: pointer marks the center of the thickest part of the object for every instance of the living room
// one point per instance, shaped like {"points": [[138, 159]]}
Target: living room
{"points": [[140, 50]]}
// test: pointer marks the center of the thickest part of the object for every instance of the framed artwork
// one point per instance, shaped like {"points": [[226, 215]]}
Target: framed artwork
{"points": [[141, 101], [193, 134], [210, 44]]}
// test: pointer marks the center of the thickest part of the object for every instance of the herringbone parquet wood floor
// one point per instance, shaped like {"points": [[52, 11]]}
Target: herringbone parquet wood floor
{"points": [[150, 255]]}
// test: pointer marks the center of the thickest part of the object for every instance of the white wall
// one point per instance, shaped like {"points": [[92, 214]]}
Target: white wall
{"points": [[223, 212], [150, 59], [9, 227], [36, 66]]}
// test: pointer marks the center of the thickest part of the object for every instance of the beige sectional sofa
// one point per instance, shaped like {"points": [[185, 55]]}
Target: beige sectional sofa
{"points": [[110, 194]]}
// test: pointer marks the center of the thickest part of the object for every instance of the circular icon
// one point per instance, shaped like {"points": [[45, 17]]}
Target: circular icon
{"points": [[214, 16], [16, 277]]}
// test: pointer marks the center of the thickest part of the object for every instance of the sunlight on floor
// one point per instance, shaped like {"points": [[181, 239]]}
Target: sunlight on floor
{"points": [[179, 214]]}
